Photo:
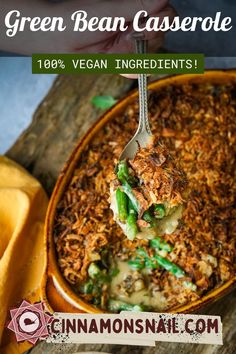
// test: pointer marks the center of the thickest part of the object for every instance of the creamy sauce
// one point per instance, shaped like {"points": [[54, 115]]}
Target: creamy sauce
{"points": [[154, 300], [167, 225], [148, 296]]}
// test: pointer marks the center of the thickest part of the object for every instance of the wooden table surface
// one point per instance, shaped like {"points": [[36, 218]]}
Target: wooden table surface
{"points": [[61, 119]]}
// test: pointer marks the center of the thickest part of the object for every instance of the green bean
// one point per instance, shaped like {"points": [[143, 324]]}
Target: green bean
{"points": [[159, 211], [169, 266], [93, 270], [148, 261], [114, 272], [141, 252], [132, 228], [190, 285], [122, 205], [103, 277], [151, 263], [124, 175], [117, 305], [87, 288], [157, 260], [131, 224], [128, 190], [123, 171], [128, 182], [136, 264], [160, 244], [155, 212], [148, 217]]}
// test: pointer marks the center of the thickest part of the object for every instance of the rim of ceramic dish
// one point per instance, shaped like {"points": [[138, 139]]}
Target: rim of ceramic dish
{"points": [[52, 270]]}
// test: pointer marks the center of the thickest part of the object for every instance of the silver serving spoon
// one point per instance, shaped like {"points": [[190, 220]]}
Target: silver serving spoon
{"points": [[143, 135]]}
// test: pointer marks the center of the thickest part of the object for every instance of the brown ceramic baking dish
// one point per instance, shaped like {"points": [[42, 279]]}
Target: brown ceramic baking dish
{"points": [[56, 292]]}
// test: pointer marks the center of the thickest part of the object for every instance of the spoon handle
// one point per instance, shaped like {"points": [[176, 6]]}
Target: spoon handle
{"points": [[141, 48]]}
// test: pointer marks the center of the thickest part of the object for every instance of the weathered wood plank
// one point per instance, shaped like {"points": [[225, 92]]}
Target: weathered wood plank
{"points": [[61, 119]]}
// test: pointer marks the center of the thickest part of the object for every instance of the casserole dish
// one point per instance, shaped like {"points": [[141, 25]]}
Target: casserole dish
{"points": [[56, 291]]}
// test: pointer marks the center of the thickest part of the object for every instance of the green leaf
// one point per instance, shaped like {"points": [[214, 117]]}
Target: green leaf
{"points": [[103, 102]]}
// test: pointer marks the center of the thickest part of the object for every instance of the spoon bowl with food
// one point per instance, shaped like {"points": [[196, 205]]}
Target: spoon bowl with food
{"points": [[148, 193]]}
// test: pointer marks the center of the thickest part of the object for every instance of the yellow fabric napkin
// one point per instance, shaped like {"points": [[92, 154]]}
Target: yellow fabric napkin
{"points": [[23, 205]]}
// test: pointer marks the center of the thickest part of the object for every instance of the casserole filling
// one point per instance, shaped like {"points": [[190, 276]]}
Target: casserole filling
{"points": [[178, 265], [147, 193]]}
